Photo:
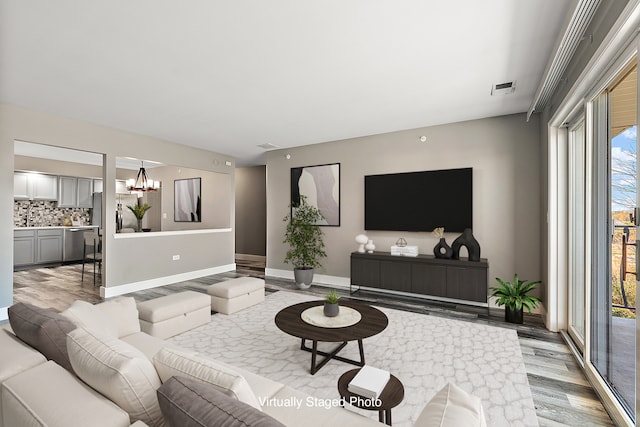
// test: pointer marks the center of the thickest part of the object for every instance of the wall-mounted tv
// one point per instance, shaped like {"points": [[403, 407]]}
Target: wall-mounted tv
{"points": [[419, 201]]}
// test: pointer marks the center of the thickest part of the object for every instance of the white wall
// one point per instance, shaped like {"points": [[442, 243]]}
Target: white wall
{"points": [[503, 152], [126, 260]]}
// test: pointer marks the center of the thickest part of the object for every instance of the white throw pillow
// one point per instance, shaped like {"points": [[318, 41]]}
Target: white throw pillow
{"points": [[171, 362], [85, 315], [452, 406], [118, 371], [123, 313]]}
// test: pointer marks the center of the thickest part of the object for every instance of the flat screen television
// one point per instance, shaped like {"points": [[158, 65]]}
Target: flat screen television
{"points": [[419, 201]]}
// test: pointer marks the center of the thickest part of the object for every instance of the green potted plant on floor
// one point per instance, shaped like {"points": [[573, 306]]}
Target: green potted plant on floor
{"points": [[304, 237], [331, 306], [515, 297], [139, 211]]}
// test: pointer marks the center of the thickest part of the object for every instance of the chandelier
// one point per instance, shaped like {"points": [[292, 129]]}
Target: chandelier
{"points": [[142, 182]]}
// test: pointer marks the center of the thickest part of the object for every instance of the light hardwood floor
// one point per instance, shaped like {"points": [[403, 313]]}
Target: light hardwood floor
{"points": [[561, 393]]}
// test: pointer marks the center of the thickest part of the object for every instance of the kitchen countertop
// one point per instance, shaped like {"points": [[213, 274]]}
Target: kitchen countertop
{"points": [[55, 226]]}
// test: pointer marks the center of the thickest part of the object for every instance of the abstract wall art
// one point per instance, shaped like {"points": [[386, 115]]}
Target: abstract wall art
{"points": [[187, 202], [320, 184]]}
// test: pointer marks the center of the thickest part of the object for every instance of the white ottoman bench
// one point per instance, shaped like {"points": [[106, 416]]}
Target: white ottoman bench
{"points": [[236, 294], [173, 314]]}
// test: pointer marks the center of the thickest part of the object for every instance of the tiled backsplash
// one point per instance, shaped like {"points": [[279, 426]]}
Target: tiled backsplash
{"points": [[45, 214]]}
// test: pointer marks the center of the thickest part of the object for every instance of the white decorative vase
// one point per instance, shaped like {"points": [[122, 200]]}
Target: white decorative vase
{"points": [[361, 239], [370, 247]]}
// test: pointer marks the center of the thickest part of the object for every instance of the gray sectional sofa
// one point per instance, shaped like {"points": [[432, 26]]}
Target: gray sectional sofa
{"points": [[91, 365]]}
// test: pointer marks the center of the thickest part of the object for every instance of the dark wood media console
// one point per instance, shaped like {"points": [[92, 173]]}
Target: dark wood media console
{"points": [[425, 274]]}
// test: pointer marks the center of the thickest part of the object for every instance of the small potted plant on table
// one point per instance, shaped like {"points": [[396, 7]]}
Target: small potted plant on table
{"points": [[514, 296], [331, 306]]}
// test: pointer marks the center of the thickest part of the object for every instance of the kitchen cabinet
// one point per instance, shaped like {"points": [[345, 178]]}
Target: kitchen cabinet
{"points": [[97, 186], [49, 246], [75, 192], [24, 247], [121, 187], [34, 186]]}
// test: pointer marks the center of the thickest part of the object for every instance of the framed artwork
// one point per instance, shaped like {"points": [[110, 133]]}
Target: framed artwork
{"points": [[321, 186], [187, 204]]}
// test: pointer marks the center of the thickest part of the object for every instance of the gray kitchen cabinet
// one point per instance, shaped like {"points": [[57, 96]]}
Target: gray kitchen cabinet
{"points": [[34, 186], [84, 193], [49, 246], [121, 187], [75, 192], [97, 186], [24, 247], [21, 186], [38, 246], [67, 191]]}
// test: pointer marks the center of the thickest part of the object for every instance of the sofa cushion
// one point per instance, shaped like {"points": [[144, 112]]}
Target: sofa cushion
{"points": [[88, 316], [171, 362], [48, 395], [43, 329], [186, 402], [452, 406], [118, 371], [123, 313], [146, 343], [16, 356]]}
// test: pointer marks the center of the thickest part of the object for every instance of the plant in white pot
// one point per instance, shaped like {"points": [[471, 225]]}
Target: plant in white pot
{"points": [[304, 237]]}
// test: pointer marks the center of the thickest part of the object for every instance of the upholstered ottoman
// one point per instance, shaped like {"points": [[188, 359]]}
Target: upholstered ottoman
{"points": [[236, 294], [173, 314]]}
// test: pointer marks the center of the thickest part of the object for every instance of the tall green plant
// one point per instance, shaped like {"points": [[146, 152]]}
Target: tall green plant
{"points": [[514, 295], [304, 236], [139, 211]]}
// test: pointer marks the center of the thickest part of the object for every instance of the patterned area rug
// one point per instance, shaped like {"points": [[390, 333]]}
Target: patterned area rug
{"points": [[424, 352]]}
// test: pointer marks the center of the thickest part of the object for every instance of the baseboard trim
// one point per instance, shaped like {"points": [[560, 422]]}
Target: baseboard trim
{"points": [[337, 281], [109, 292], [4, 313]]}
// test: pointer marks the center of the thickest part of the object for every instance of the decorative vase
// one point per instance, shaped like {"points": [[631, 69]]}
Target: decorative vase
{"points": [[139, 225], [513, 315], [442, 250], [361, 240], [331, 310], [467, 240], [303, 277], [370, 247]]}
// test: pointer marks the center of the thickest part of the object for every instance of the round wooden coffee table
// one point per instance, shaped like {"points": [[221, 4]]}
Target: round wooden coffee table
{"points": [[391, 396], [373, 322]]}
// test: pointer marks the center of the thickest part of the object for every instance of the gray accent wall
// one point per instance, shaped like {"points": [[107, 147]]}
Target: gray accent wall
{"points": [[504, 153], [126, 260], [251, 211]]}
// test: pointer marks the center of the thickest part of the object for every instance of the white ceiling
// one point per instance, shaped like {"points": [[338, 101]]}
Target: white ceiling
{"points": [[231, 75]]}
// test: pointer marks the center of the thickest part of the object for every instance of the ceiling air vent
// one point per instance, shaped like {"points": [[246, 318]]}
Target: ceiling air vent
{"points": [[268, 146], [503, 88]]}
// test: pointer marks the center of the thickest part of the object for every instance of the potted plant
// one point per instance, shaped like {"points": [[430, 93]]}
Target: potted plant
{"points": [[139, 211], [514, 296], [331, 307], [304, 238]]}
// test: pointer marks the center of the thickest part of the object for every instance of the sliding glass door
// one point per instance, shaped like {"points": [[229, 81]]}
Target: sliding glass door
{"points": [[613, 286]]}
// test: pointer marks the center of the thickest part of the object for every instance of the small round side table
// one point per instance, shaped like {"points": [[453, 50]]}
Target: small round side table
{"points": [[391, 396]]}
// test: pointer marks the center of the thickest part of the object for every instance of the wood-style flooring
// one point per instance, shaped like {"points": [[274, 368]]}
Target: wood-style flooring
{"points": [[561, 393]]}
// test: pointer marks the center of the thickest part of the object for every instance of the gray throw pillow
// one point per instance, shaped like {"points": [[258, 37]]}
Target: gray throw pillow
{"points": [[43, 329], [186, 402]]}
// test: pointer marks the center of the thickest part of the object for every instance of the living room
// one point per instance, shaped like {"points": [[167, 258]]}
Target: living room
{"points": [[516, 218]]}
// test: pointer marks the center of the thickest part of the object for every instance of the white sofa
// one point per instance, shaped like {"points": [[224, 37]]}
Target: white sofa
{"points": [[37, 392]]}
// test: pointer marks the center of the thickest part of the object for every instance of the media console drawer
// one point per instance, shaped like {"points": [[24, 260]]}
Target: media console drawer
{"points": [[425, 275]]}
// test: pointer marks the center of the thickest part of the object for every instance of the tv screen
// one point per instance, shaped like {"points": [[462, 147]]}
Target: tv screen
{"points": [[419, 201]]}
